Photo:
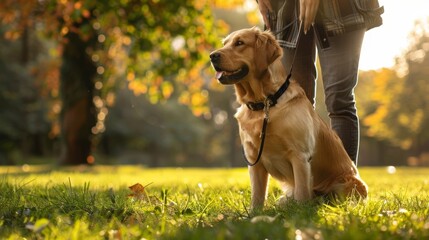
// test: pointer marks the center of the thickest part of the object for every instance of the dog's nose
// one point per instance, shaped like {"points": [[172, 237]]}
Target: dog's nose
{"points": [[215, 57]]}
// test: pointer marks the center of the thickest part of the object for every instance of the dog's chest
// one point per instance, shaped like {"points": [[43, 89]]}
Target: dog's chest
{"points": [[250, 125], [273, 154], [278, 141]]}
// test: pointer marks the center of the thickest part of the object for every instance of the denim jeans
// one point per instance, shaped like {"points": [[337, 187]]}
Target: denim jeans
{"points": [[339, 65]]}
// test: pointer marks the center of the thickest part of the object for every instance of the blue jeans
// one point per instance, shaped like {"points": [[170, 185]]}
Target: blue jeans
{"points": [[339, 65]]}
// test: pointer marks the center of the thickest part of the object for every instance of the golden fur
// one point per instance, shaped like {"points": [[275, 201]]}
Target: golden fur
{"points": [[300, 151]]}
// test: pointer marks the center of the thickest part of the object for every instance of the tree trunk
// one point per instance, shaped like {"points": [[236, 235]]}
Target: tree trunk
{"points": [[78, 115]]}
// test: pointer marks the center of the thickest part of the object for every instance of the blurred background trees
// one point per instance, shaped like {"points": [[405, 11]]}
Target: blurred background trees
{"points": [[129, 81], [159, 47], [396, 101]]}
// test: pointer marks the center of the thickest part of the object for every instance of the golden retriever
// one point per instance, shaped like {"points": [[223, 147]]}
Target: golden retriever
{"points": [[300, 151]]}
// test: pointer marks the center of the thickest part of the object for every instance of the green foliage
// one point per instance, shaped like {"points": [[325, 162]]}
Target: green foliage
{"points": [[397, 110], [146, 42], [156, 48], [201, 204]]}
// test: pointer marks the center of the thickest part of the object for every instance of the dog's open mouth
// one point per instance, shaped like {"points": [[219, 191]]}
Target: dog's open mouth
{"points": [[231, 77]]}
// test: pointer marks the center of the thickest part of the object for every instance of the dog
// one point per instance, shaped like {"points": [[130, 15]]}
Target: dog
{"points": [[301, 151]]}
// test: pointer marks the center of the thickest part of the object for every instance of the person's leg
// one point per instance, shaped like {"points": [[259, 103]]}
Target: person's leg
{"points": [[304, 69], [340, 64]]}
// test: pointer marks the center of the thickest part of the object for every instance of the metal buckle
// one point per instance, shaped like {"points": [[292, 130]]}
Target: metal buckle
{"points": [[267, 104]]}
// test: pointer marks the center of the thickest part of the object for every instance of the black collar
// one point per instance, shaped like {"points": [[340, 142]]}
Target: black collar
{"points": [[272, 98]]}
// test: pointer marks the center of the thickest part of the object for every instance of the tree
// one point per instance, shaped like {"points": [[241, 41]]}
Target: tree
{"points": [[400, 105], [24, 125], [78, 116], [160, 47]]}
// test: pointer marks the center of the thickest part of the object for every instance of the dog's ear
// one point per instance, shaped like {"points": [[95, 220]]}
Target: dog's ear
{"points": [[266, 50]]}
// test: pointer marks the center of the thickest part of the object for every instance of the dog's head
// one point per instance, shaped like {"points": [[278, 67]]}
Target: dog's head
{"points": [[246, 54]]}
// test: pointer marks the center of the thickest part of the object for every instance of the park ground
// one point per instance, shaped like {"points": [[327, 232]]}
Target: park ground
{"points": [[40, 202]]}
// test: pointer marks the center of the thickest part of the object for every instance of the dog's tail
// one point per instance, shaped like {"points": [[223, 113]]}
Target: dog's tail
{"points": [[346, 186], [351, 186]]}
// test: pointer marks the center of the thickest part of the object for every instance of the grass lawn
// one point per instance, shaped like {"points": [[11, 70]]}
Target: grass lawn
{"points": [[95, 203]]}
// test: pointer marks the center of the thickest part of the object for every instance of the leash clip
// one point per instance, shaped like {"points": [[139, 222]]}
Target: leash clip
{"points": [[267, 104]]}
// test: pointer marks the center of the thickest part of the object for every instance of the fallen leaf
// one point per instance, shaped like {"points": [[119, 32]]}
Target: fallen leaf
{"points": [[138, 190]]}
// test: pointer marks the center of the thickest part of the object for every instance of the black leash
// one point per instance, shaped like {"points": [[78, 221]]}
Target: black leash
{"points": [[270, 101]]}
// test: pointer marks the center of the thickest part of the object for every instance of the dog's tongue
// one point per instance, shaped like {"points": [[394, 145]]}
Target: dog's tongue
{"points": [[219, 74]]}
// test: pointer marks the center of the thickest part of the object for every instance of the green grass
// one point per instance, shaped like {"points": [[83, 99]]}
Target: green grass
{"points": [[93, 203]]}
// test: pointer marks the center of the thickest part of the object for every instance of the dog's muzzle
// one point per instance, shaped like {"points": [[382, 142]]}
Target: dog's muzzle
{"points": [[227, 76]]}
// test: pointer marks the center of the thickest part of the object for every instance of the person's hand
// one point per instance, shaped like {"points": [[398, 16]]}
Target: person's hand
{"points": [[265, 8], [307, 14]]}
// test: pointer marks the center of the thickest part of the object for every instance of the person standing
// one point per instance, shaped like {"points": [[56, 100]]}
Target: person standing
{"points": [[335, 28]]}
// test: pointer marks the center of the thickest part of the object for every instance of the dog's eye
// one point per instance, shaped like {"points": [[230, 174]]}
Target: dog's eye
{"points": [[239, 43]]}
